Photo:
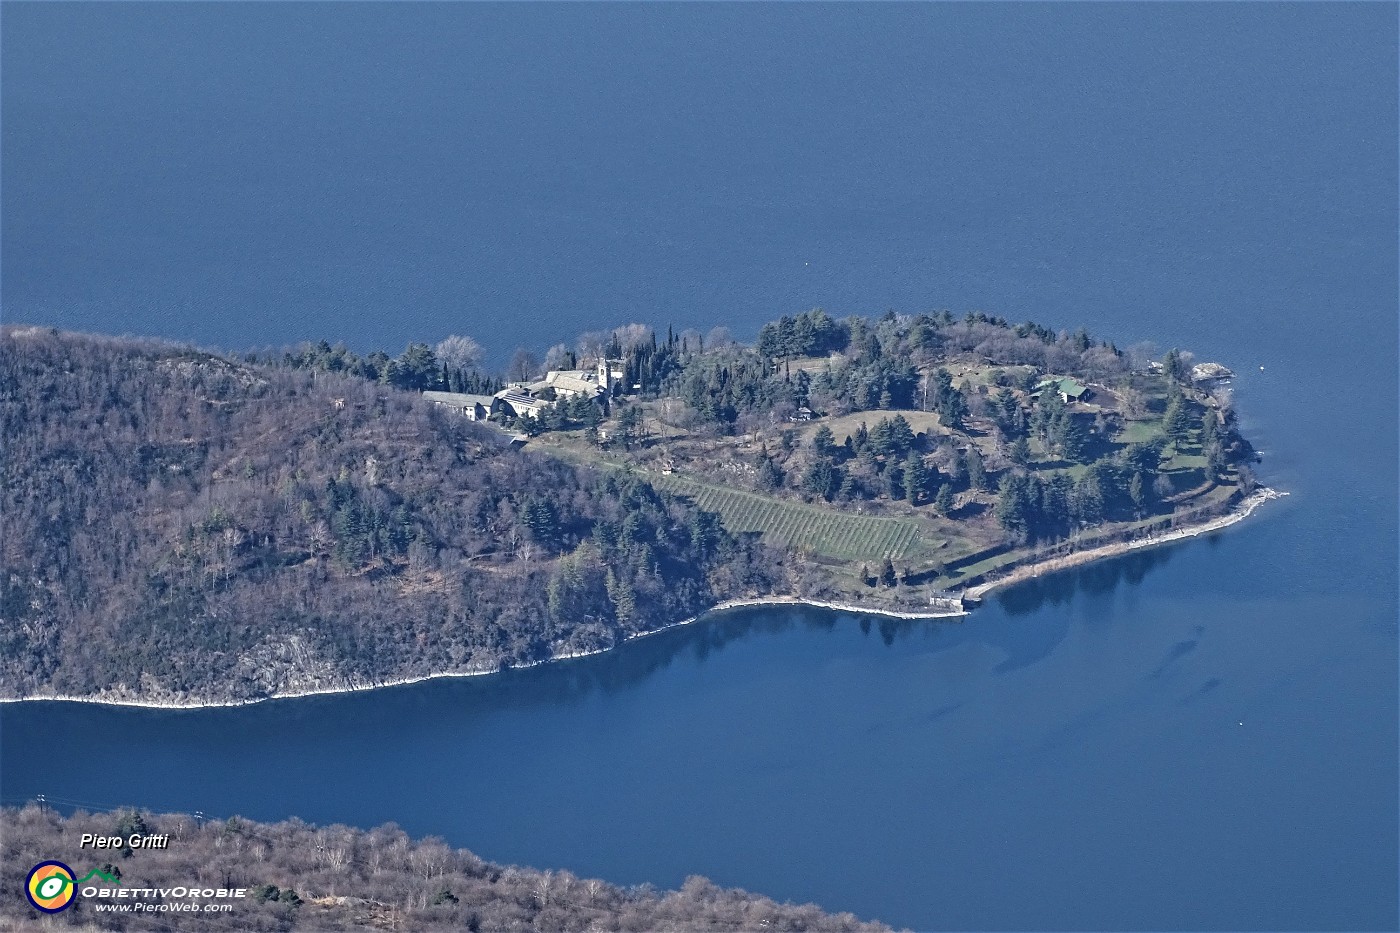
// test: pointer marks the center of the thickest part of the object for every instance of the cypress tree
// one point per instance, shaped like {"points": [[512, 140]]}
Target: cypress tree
{"points": [[976, 470], [1011, 503], [944, 500], [1176, 422], [915, 479], [1137, 491]]}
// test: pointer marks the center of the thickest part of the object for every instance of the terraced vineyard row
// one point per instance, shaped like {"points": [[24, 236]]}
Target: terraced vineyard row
{"points": [[848, 537]]}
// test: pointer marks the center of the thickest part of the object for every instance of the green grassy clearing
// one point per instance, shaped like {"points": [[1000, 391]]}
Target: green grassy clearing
{"points": [[978, 374], [816, 364], [844, 426], [1183, 462], [1140, 432]]}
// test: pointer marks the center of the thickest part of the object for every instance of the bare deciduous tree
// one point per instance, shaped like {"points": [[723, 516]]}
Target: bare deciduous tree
{"points": [[631, 335], [460, 352], [523, 367], [557, 357], [591, 345], [719, 338]]}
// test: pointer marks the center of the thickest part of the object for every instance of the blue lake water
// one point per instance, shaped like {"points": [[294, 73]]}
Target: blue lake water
{"points": [[1201, 738]]}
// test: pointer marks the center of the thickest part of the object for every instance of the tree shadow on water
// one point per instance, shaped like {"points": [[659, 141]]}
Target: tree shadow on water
{"points": [[628, 664], [1095, 579], [1027, 644], [408, 712]]}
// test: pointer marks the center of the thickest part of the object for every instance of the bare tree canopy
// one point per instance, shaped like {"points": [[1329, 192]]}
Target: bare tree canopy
{"points": [[631, 335], [460, 352], [719, 338], [557, 357], [591, 345], [523, 367]]}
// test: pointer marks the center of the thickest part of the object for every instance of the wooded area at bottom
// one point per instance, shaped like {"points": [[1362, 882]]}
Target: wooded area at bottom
{"points": [[303, 877]]}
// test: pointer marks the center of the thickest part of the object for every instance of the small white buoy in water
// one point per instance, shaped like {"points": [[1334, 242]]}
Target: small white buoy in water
{"points": [[1241, 723]]}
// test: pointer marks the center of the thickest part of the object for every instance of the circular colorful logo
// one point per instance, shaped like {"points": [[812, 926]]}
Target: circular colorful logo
{"points": [[50, 887]]}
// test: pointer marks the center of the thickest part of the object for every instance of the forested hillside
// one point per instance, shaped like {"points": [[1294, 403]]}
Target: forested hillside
{"points": [[301, 877], [179, 526]]}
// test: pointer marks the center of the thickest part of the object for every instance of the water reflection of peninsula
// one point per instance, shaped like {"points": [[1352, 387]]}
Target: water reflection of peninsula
{"points": [[616, 671], [1097, 578]]}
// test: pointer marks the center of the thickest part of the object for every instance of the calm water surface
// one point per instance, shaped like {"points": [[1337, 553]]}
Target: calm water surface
{"points": [[1200, 738], [1147, 743]]}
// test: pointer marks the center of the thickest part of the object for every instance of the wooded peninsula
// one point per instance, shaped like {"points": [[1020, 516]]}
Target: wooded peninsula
{"points": [[187, 527], [294, 876]]}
